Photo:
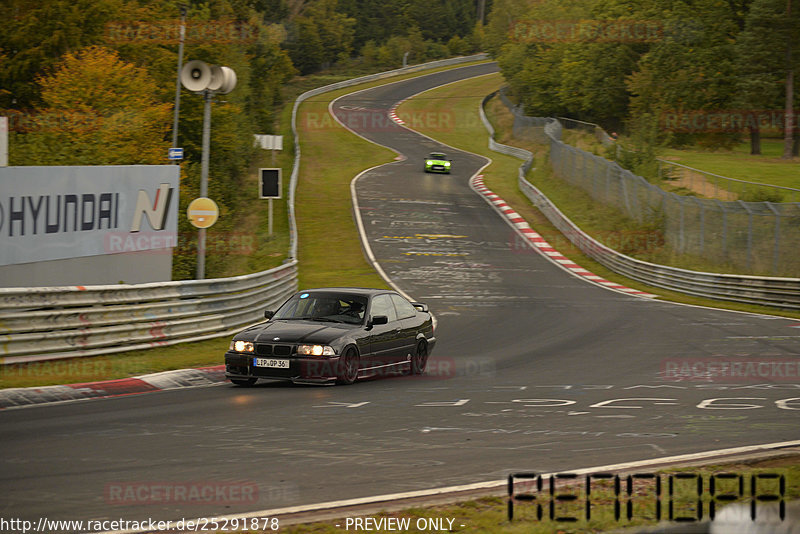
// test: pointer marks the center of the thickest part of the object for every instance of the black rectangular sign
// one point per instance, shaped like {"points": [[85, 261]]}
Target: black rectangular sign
{"points": [[269, 183]]}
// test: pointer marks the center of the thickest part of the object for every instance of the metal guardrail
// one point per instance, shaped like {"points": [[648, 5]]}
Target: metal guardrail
{"points": [[767, 291], [46, 323], [64, 322]]}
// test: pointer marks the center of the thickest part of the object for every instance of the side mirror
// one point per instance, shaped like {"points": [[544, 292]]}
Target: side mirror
{"points": [[379, 319], [269, 314], [420, 306]]}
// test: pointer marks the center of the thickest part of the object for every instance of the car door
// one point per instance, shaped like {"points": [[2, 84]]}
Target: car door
{"points": [[384, 341], [407, 317]]}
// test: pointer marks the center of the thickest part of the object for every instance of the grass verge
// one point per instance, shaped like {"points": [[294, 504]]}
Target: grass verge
{"points": [[738, 163], [462, 101]]}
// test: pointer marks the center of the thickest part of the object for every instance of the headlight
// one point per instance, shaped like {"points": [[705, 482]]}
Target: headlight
{"points": [[243, 346], [429, 162], [446, 163], [315, 350]]}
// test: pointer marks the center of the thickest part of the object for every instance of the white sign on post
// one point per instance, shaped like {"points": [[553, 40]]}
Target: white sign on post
{"points": [[268, 142]]}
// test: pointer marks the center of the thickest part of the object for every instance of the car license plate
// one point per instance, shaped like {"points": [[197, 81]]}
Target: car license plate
{"points": [[270, 362]]}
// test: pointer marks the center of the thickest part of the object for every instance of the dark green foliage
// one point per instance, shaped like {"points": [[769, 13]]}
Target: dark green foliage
{"points": [[692, 58]]}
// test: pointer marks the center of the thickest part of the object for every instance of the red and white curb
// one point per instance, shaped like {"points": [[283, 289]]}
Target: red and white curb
{"points": [[543, 247], [393, 113], [32, 396]]}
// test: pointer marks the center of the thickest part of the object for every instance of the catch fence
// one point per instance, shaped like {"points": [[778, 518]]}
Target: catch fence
{"points": [[759, 238]]}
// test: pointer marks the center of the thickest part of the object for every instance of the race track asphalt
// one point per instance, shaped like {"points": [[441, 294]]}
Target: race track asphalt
{"points": [[535, 370]]}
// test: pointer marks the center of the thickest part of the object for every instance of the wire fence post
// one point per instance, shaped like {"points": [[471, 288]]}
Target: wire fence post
{"points": [[776, 246], [749, 235]]}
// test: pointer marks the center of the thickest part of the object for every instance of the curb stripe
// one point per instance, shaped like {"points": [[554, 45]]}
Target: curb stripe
{"points": [[32, 396], [539, 244]]}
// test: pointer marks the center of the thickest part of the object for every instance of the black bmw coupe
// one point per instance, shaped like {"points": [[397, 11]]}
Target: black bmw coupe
{"points": [[334, 335]]}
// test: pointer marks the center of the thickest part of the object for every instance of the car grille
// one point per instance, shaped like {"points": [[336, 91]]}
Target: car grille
{"points": [[268, 349]]}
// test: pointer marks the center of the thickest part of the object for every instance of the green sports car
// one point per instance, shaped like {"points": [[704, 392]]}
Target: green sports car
{"points": [[437, 162]]}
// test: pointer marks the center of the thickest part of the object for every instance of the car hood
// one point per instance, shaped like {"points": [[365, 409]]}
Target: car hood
{"points": [[295, 332]]}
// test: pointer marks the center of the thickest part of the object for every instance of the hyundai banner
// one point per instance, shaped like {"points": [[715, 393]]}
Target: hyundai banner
{"points": [[54, 213]]}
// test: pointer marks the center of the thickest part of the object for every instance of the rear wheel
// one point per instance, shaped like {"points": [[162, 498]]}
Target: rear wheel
{"points": [[420, 359], [244, 382], [348, 367]]}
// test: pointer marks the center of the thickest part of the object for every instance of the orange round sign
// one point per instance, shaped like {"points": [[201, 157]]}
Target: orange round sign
{"points": [[202, 212]]}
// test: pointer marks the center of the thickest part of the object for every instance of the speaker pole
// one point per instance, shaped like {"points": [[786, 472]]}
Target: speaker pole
{"points": [[201, 235], [178, 82]]}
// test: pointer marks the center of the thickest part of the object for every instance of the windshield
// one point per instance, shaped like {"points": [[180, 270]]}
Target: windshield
{"points": [[324, 307]]}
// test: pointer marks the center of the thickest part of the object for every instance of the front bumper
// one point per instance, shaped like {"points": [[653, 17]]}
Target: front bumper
{"points": [[431, 344], [437, 168], [300, 371]]}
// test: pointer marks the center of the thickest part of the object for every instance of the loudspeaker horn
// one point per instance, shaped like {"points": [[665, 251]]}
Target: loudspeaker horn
{"points": [[196, 75], [217, 78], [227, 80]]}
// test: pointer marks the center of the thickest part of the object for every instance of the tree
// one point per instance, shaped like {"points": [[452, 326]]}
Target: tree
{"points": [[36, 33], [690, 71], [98, 110], [766, 56], [321, 36]]}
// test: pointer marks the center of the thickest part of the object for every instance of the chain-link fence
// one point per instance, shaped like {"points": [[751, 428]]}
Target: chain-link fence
{"points": [[754, 237]]}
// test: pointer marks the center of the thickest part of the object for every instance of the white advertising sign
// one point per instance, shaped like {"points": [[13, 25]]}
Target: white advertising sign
{"points": [[53, 213]]}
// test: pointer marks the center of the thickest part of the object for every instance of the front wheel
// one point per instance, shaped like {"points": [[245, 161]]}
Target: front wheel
{"points": [[420, 359], [348, 367], [244, 382]]}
